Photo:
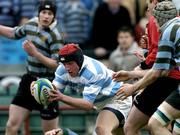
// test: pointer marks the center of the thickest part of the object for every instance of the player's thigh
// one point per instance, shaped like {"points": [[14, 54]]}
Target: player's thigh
{"points": [[172, 104], [17, 114], [50, 124], [50, 116], [107, 119], [164, 114], [170, 110], [136, 119]]}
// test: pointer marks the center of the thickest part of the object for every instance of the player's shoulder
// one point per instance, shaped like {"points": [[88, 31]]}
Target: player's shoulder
{"points": [[170, 28], [33, 21], [92, 67], [61, 69]]}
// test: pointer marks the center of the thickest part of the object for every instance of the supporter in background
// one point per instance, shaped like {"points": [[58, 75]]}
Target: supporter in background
{"points": [[89, 4], [123, 57], [141, 27], [42, 44], [75, 22], [135, 8], [9, 12], [28, 9], [109, 17]]}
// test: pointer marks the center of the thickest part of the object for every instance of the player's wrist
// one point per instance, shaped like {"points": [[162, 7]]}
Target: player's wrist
{"points": [[134, 88], [61, 97]]}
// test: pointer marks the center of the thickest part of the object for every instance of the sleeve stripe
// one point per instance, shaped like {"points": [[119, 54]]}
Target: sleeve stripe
{"points": [[165, 48], [164, 61], [173, 32]]}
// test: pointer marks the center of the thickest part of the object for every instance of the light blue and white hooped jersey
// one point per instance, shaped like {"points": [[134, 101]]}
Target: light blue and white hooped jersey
{"points": [[168, 55], [94, 81]]}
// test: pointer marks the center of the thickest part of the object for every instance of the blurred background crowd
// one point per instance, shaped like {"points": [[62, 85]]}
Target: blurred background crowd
{"points": [[108, 30], [98, 26]]}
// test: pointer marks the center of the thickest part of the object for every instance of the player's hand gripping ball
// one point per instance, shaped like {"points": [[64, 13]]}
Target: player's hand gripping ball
{"points": [[40, 89]]}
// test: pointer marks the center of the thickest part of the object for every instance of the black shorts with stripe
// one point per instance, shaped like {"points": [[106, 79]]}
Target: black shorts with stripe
{"points": [[154, 94], [174, 99]]}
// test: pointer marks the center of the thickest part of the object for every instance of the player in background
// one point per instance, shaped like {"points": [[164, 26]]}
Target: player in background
{"points": [[42, 45]]}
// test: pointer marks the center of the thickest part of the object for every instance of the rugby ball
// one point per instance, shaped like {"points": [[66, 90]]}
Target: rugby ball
{"points": [[40, 90]]}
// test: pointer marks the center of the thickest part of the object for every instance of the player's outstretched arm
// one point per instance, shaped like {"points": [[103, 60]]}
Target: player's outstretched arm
{"points": [[123, 75], [6, 31], [75, 102]]}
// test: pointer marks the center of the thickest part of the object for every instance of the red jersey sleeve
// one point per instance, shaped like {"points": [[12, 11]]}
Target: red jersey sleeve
{"points": [[153, 37]]}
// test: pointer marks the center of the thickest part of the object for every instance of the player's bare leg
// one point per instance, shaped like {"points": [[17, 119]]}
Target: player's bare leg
{"points": [[106, 123], [17, 115]]}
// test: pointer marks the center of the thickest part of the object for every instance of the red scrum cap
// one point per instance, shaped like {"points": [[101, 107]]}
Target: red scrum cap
{"points": [[71, 52]]}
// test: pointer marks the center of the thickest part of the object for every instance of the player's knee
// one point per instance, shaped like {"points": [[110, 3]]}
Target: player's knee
{"points": [[150, 124], [127, 127], [12, 126], [101, 130], [130, 128], [153, 124]]}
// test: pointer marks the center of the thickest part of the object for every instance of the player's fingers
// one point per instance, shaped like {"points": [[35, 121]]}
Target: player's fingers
{"points": [[120, 96], [53, 132], [32, 84], [52, 94], [54, 86], [120, 91], [54, 91], [116, 77], [25, 41], [24, 45], [30, 42], [60, 131], [114, 74], [123, 97], [32, 88], [122, 88], [53, 99]]}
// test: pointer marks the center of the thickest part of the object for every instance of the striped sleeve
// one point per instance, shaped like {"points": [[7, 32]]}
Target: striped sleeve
{"points": [[19, 32], [164, 56], [166, 49]]}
